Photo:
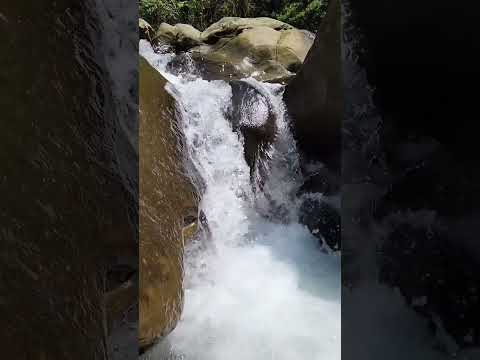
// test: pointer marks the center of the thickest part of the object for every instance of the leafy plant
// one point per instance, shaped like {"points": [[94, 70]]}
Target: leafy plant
{"points": [[305, 14], [158, 11]]}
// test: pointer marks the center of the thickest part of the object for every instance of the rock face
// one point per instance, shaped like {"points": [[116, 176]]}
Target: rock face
{"points": [[168, 207], [264, 48], [314, 97]]}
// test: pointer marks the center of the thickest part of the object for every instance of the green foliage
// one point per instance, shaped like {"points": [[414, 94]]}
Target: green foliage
{"points": [[305, 14], [158, 11]]}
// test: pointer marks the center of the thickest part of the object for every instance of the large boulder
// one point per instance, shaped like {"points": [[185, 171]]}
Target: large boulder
{"points": [[260, 52], [257, 45], [180, 36], [168, 207], [314, 97], [253, 48], [232, 26], [235, 48]]}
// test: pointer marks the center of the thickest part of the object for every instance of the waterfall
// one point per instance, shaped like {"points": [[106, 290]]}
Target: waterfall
{"points": [[261, 287]]}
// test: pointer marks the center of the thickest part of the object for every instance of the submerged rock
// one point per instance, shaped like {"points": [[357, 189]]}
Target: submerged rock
{"points": [[168, 209]]}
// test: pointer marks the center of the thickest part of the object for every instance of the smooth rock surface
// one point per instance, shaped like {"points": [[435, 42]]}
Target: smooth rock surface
{"points": [[168, 203], [232, 26]]}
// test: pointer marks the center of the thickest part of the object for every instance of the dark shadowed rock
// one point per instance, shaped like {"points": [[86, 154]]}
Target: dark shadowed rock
{"points": [[314, 97]]}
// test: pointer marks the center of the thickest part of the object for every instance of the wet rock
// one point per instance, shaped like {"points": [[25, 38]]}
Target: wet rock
{"points": [[210, 67], [168, 209], [314, 97], [251, 114], [194, 64], [322, 219]]}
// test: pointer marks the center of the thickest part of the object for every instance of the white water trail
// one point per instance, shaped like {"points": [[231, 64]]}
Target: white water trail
{"points": [[260, 289]]}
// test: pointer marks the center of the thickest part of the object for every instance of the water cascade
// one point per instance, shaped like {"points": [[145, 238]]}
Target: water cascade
{"points": [[261, 286]]}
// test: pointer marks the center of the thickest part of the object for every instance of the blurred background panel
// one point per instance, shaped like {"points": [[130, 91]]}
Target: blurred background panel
{"points": [[410, 198], [69, 179]]}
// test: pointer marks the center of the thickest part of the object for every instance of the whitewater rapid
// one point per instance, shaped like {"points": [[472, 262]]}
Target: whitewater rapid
{"points": [[258, 289]]}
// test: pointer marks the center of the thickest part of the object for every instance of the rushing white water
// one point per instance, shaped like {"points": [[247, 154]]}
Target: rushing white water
{"points": [[260, 289]]}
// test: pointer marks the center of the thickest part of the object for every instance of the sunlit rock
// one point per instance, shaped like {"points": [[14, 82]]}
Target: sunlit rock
{"points": [[168, 202]]}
